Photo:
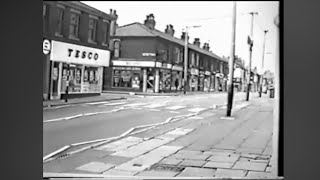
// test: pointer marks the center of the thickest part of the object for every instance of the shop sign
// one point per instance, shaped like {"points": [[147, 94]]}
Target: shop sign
{"points": [[207, 73], [164, 65], [46, 46], [177, 68], [194, 71], [71, 53], [148, 54], [134, 63]]}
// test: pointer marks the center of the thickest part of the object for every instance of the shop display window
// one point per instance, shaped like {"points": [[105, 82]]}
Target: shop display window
{"points": [[127, 78], [165, 80], [71, 74]]}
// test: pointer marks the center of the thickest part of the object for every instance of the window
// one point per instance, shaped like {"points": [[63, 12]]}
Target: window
{"points": [[116, 49], [44, 10], [127, 77], [92, 30], [60, 21], [176, 55], [74, 26], [197, 61], [192, 59], [106, 26]]}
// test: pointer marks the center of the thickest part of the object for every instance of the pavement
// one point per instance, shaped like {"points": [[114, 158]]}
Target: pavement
{"points": [[202, 144]]}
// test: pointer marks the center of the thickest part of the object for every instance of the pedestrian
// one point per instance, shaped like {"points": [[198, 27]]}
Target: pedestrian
{"points": [[176, 84]]}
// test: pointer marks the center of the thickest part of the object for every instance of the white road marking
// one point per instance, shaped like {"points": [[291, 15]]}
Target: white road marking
{"points": [[174, 112], [94, 103], [111, 104], [175, 107], [197, 109], [135, 104], [154, 109], [155, 105]]}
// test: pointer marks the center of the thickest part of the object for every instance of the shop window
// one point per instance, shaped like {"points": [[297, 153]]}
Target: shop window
{"points": [[91, 79], [71, 73], [106, 25], [92, 30], [127, 78], [165, 79], [74, 26], [60, 13]]}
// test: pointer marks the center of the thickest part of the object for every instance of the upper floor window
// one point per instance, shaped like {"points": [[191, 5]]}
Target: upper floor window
{"points": [[106, 26], [212, 67], [116, 49], [176, 55], [74, 25], [197, 60], [60, 13], [44, 11], [92, 30], [192, 59]]}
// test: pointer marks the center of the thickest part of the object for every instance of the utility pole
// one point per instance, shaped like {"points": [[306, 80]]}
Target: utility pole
{"points": [[250, 42], [262, 64], [185, 61], [231, 61]]}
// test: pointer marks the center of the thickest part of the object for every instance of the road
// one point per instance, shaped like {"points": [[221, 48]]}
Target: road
{"points": [[133, 112]]}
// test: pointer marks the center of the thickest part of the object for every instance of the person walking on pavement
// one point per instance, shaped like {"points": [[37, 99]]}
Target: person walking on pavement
{"points": [[176, 84]]}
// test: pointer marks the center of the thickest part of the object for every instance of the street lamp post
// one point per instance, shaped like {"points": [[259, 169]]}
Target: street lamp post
{"points": [[262, 63], [250, 41], [186, 57]]}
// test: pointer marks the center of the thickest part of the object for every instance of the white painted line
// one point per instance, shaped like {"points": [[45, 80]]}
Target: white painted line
{"points": [[53, 120], [72, 117], [175, 107], [112, 104], [174, 112], [94, 103], [135, 104], [87, 142], [154, 109], [55, 152], [154, 105], [197, 109]]}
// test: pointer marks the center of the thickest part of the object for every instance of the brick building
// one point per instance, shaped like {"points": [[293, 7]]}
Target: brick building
{"points": [[76, 48], [148, 60]]}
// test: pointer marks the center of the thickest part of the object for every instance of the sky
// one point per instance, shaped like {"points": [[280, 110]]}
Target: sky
{"points": [[215, 19]]}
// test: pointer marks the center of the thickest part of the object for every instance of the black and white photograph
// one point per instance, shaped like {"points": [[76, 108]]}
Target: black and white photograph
{"points": [[161, 89]]}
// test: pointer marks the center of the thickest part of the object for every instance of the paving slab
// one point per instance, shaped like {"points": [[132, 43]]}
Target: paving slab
{"points": [[212, 164], [230, 173], [165, 151], [93, 153], [97, 167], [258, 175], [140, 163], [141, 148], [170, 161], [198, 157], [153, 173], [248, 165], [250, 150], [186, 152], [116, 160], [194, 163], [224, 158], [116, 172], [196, 172]]}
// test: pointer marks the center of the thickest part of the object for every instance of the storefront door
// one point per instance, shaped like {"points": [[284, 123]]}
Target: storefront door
{"points": [[150, 80]]}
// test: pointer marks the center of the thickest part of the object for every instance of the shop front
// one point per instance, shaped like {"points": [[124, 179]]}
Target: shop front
{"points": [[201, 81], [79, 68], [136, 76], [165, 77], [207, 81], [194, 78], [176, 74]]}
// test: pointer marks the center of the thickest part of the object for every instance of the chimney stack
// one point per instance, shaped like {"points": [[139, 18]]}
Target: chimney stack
{"points": [[196, 42], [183, 36], [169, 30], [150, 22]]}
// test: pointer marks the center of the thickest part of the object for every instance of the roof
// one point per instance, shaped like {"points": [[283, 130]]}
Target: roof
{"points": [[86, 7], [140, 30]]}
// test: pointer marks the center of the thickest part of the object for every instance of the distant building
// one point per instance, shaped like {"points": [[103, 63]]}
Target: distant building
{"points": [[75, 48], [148, 60]]}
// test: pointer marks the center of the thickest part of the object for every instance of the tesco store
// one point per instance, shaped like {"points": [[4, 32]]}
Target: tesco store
{"points": [[80, 65]]}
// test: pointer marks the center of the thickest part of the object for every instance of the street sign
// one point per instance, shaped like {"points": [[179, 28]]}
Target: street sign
{"points": [[46, 46]]}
